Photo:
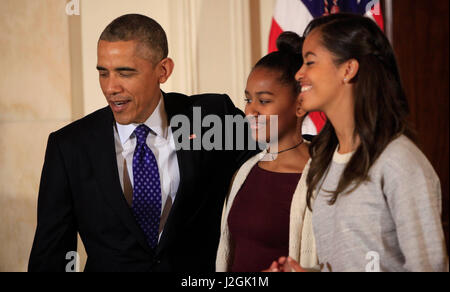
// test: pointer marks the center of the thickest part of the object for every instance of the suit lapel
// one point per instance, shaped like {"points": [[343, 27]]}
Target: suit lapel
{"points": [[179, 105], [104, 162]]}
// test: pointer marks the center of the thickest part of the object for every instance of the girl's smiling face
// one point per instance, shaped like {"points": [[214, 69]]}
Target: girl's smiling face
{"points": [[267, 96], [320, 78]]}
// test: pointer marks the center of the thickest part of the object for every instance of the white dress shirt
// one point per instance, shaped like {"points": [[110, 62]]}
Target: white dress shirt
{"points": [[160, 141]]}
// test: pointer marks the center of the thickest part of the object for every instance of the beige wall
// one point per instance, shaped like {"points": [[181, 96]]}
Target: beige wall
{"points": [[266, 13], [34, 100], [49, 79]]}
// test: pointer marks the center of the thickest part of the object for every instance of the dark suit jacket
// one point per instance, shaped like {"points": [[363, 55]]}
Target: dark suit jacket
{"points": [[80, 192]]}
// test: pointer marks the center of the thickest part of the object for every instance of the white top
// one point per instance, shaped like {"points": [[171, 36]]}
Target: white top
{"points": [[161, 142]]}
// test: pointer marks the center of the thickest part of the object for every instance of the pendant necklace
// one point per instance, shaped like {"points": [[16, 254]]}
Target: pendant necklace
{"points": [[274, 154]]}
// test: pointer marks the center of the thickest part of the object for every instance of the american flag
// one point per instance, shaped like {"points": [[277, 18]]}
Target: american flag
{"points": [[294, 15]]}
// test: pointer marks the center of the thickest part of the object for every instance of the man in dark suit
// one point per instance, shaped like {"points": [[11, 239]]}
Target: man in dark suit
{"points": [[118, 176]]}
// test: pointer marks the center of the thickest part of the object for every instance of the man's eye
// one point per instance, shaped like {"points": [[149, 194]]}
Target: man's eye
{"points": [[126, 74], [309, 63], [103, 74], [264, 101], [247, 100]]}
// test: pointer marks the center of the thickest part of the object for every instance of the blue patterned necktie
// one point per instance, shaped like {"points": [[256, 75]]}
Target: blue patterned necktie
{"points": [[147, 188]]}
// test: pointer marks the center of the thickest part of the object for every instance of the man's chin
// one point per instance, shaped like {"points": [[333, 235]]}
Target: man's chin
{"points": [[120, 119]]}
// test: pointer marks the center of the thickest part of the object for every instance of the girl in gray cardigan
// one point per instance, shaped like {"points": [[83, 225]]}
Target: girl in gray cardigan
{"points": [[377, 198]]}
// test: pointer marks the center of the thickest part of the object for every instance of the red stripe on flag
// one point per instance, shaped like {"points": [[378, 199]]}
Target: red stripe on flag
{"points": [[319, 119], [275, 32], [379, 17]]}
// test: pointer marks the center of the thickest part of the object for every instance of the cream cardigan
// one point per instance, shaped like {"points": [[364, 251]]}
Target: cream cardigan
{"points": [[302, 246]]}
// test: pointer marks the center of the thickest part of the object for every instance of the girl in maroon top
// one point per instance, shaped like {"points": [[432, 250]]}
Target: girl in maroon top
{"points": [[259, 217]]}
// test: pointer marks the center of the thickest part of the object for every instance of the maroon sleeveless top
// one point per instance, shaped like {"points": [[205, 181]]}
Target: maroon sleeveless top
{"points": [[259, 219]]}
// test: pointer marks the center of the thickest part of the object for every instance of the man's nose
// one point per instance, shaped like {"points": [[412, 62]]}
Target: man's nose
{"points": [[113, 86]]}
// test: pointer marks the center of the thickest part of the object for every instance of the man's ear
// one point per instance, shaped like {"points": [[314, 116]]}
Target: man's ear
{"points": [[165, 69]]}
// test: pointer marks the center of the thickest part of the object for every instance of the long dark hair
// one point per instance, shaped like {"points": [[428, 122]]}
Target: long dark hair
{"points": [[381, 107]]}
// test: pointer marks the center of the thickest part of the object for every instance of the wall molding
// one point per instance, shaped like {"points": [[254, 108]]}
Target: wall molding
{"points": [[241, 48], [389, 18], [183, 45]]}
